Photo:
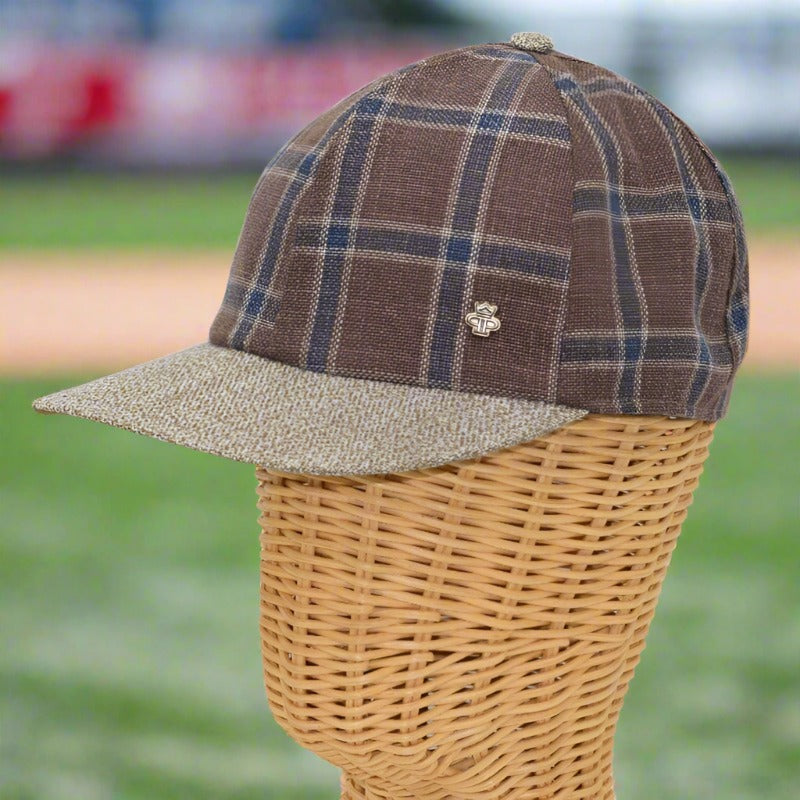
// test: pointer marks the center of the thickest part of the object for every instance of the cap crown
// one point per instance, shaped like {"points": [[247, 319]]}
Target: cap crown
{"points": [[603, 230]]}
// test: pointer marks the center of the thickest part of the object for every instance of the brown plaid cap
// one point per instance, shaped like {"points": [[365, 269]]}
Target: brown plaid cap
{"points": [[464, 254]]}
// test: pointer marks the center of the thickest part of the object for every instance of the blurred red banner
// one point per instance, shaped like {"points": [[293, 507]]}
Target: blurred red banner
{"points": [[124, 104]]}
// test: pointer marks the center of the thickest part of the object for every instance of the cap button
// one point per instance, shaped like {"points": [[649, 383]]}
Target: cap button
{"points": [[527, 40]]}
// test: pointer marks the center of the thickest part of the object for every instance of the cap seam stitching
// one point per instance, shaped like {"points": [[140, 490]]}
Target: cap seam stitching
{"points": [[734, 223], [563, 316]]}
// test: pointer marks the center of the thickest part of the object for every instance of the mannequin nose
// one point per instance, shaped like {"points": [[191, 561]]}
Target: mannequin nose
{"points": [[366, 698]]}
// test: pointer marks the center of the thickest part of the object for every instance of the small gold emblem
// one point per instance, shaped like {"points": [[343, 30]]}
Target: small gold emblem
{"points": [[482, 320]]}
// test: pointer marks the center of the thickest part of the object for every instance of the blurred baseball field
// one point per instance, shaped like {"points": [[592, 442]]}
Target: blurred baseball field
{"points": [[129, 660]]}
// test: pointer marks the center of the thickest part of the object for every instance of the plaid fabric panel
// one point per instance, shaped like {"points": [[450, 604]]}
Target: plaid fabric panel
{"points": [[448, 185], [255, 283], [656, 232], [738, 302], [602, 228]]}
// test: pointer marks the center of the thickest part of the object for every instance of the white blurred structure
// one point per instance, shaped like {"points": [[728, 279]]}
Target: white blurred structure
{"points": [[730, 68], [220, 81]]}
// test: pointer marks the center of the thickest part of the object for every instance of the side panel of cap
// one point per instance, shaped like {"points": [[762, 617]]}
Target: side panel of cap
{"points": [[255, 282], [657, 311], [450, 184]]}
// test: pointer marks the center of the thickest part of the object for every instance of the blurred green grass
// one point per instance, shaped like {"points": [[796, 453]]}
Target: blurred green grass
{"points": [[130, 656], [131, 662], [180, 210], [172, 210]]}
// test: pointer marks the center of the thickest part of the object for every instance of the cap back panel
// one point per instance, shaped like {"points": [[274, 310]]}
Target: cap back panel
{"points": [[653, 243]]}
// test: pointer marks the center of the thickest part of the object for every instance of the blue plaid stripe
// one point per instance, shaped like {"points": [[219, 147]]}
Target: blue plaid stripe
{"points": [[697, 208], [632, 334], [458, 249], [236, 292], [601, 348], [738, 311], [364, 237], [738, 307], [670, 202], [337, 235], [257, 302]]}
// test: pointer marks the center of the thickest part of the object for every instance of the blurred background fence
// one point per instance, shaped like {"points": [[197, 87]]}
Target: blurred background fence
{"points": [[211, 82]]}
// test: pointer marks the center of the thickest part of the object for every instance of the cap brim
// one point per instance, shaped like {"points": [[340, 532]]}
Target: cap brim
{"points": [[244, 407]]}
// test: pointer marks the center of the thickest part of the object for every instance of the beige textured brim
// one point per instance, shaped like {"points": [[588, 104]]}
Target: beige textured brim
{"points": [[247, 408]]}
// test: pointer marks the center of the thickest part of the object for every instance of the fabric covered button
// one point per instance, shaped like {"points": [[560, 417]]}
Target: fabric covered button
{"points": [[537, 42]]}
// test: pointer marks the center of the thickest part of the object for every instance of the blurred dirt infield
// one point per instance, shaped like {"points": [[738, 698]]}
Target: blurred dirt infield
{"points": [[95, 311]]}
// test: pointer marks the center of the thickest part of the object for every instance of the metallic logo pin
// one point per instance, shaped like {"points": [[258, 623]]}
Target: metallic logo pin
{"points": [[482, 320]]}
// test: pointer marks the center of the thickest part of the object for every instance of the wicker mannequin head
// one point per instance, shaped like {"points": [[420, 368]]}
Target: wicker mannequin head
{"points": [[470, 630]]}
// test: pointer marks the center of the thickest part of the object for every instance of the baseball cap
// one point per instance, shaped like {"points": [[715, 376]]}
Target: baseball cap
{"points": [[466, 253]]}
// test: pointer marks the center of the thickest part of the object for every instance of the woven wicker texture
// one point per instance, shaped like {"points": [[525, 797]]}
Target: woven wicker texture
{"points": [[469, 631]]}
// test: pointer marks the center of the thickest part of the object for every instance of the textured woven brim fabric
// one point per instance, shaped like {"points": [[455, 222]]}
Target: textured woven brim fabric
{"points": [[248, 408]]}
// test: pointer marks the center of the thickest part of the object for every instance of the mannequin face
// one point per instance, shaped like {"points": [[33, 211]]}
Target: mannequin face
{"points": [[372, 671], [391, 679], [472, 628]]}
